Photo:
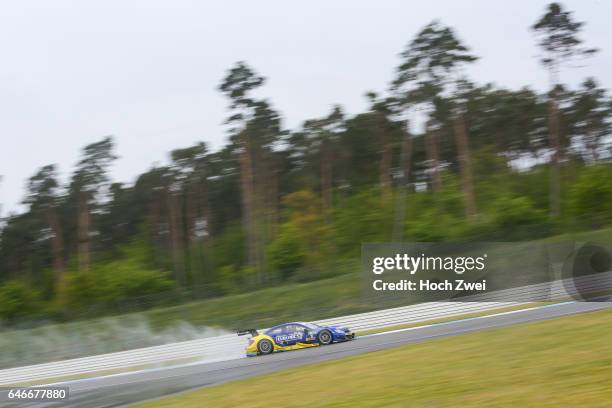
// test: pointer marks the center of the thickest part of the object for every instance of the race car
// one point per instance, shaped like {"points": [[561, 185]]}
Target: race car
{"points": [[294, 336]]}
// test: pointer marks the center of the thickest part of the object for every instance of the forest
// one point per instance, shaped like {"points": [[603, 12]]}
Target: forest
{"points": [[277, 205]]}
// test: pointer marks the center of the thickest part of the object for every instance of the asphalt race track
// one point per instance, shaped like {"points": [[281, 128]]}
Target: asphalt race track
{"points": [[124, 389]]}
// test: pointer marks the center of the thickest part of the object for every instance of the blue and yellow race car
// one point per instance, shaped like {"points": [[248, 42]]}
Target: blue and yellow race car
{"points": [[294, 336]]}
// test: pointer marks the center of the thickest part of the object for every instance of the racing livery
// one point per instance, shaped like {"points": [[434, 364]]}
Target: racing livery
{"points": [[294, 336]]}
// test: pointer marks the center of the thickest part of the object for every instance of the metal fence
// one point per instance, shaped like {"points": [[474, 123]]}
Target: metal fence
{"points": [[227, 347]]}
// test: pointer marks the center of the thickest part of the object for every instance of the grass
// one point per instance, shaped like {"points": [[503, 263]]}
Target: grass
{"points": [[560, 362], [601, 236], [265, 307]]}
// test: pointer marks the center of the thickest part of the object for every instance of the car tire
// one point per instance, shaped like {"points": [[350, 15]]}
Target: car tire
{"points": [[325, 337], [265, 346]]}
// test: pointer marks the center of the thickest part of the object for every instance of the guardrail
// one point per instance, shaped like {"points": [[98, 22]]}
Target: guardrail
{"points": [[230, 346]]}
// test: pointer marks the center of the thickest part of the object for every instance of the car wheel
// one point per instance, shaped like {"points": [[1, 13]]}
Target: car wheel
{"points": [[325, 337], [265, 346]]}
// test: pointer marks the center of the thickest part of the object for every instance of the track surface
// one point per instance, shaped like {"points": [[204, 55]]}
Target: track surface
{"points": [[124, 389]]}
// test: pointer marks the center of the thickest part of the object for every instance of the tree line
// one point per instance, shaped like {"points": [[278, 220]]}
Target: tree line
{"points": [[276, 204]]}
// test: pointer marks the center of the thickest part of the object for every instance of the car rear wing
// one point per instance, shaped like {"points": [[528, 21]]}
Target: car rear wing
{"points": [[252, 332]]}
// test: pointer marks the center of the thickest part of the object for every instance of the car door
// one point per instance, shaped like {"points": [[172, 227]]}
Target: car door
{"points": [[303, 333], [279, 335], [295, 333]]}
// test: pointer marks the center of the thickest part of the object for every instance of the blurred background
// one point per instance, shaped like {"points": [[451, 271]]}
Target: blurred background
{"points": [[254, 215]]}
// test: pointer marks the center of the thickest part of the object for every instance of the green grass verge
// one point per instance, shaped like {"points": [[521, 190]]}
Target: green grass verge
{"points": [[565, 362], [265, 307]]}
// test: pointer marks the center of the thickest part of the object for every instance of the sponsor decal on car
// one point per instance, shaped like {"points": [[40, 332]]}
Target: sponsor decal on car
{"points": [[285, 337]]}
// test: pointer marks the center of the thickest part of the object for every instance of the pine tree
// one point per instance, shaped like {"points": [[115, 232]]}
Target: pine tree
{"points": [[558, 39]]}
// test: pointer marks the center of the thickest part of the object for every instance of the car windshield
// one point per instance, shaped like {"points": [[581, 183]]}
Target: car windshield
{"points": [[310, 326]]}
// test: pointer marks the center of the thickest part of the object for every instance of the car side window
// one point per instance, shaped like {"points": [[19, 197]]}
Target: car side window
{"points": [[275, 331]]}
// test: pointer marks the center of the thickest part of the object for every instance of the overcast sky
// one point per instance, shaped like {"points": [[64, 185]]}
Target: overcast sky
{"points": [[146, 72]]}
